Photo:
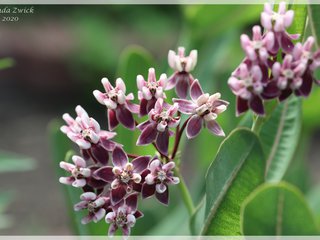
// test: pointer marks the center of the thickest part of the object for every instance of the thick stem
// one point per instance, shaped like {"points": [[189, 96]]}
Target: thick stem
{"points": [[186, 197]]}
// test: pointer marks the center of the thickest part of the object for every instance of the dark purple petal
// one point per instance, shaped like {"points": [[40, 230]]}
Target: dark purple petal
{"points": [[126, 230], [119, 157], [85, 154], [195, 90], [148, 135], [105, 174], [286, 43], [162, 142], [138, 214], [194, 126], [215, 128], [276, 46], [143, 125], [132, 202], [137, 187], [285, 94], [140, 163], [306, 86], [265, 73], [148, 190], [151, 103], [256, 105], [99, 154], [163, 197], [118, 194], [132, 107], [182, 86], [95, 183], [172, 81], [112, 119], [271, 90], [125, 117], [107, 144], [112, 229], [143, 107], [242, 106]]}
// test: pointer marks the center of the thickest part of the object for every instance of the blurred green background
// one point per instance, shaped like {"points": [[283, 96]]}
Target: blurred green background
{"points": [[60, 54]]}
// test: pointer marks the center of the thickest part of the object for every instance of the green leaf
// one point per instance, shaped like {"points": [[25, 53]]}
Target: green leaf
{"points": [[236, 171], [6, 63], [277, 209], [10, 162], [197, 219], [5, 220], [314, 17], [313, 197], [279, 137]]}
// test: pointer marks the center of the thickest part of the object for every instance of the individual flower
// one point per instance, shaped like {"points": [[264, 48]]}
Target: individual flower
{"points": [[182, 65], [157, 127], [289, 78], [248, 85], [124, 215], [203, 109], [150, 91], [79, 172], [257, 48], [303, 55], [85, 130], [125, 176], [119, 105], [278, 22], [96, 206], [157, 181]]}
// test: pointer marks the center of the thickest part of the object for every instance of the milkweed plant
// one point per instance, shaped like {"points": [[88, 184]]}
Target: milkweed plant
{"points": [[275, 66]]}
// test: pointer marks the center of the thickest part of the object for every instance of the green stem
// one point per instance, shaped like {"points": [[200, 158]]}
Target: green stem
{"points": [[257, 124], [185, 193]]}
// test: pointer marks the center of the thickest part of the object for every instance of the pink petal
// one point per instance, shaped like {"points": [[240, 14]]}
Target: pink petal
{"points": [[121, 85], [194, 126], [87, 219], [185, 106], [81, 205], [171, 59], [215, 128], [134, 108], [168, 166], [99, 215], [119, 157], [88, 196], [195, 90], [79, 161], [83, 144], [106, 84], [112, 229], [266, 21], [79, 183], [99, 96], [152, 75], [288, 18], [67, 166], [140, 82], [66, 180], [245, 41], [171, 83]]}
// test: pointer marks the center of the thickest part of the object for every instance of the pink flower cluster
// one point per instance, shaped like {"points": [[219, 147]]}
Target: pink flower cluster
{"points": [[274, 67], [111, 181]]}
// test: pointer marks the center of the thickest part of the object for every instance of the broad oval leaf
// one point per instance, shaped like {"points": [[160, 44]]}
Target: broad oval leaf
{"points": [[236, 171], [277, 209], [314, 16], [279, 137]]}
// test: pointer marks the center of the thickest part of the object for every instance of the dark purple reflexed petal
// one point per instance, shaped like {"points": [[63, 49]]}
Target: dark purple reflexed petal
{"points": [[172, 80], [194, 126], [195, 90], [119, 157], [242, 106], [162, 142], [105, 174], [132, 107], [163, 197], [286, 43], [85, 154], [285, 94], [182, 86], [140, 163], [112, 119], [107, 144], [265, 73], [271, 90], [151, 104], [118, 194], [125, 117], [93, 182], [256, 105], [148, 135], [132, 202], [185, 106], [126, 230], [138, 214], [99, 154], [143, 107], [215, 128], [143, 125], [276, 45], [306, 86], [137, 187], [148, 190]]}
